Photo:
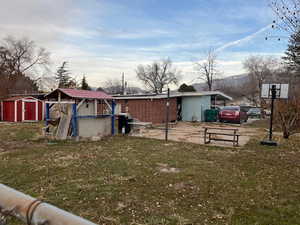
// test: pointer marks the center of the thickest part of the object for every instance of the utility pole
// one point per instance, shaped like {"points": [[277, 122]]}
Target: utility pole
{"points": [[125, 88], [123, 83], [167, 115]]}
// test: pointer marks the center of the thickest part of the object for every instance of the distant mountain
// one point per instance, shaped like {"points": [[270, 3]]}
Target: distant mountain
{"points": [[118, 89], [234, 81]]}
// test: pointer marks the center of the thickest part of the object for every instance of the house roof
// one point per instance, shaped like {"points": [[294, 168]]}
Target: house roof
{"points": [[219, 95], [34, 95], [141, 96], [81, 94], [15, 98], [204, 93]]}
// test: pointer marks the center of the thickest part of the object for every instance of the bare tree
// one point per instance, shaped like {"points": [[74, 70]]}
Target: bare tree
{"points": [[113, 86], [207, 69], [288, 15], [260, 69], [250, 91], [22, 56], [288, 20], [20, 60], [158, 75], [287, 116]]}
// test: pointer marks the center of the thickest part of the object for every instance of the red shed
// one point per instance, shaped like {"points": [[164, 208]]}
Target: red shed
{"points": [[22, 109]]}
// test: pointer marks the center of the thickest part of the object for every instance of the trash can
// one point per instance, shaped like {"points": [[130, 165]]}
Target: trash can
{"points": [[211, 115], [128, 126], [123, 124]]}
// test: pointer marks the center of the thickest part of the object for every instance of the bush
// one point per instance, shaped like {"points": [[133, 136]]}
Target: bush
{"points": [[287, 116]]}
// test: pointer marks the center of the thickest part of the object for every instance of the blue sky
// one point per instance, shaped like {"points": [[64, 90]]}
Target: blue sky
{"points": [[103, 38]]}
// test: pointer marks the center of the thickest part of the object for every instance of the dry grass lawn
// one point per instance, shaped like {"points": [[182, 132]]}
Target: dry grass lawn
{"points": [[130, 180]]}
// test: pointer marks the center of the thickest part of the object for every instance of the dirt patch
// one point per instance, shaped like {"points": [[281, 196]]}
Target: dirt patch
{"points": [[194, 133], [165, 168]]}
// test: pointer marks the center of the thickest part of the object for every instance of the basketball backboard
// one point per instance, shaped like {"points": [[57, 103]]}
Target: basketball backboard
{"points": [[282, 91]]}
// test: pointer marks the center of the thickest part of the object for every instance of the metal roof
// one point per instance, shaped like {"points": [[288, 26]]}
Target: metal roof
{"points": [[175, 95], [82, 94], [203, 93]]}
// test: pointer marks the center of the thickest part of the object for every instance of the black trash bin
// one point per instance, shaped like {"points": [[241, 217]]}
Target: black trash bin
{"points": [[128, 126], [124, 122]]}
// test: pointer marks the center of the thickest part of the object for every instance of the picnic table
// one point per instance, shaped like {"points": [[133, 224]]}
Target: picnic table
{"points": [[216, 133]]}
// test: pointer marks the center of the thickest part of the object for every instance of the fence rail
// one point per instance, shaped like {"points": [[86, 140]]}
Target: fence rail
{"points": [[34, 212]]}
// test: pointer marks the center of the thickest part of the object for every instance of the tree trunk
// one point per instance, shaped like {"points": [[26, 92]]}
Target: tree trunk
{"points": [[286, 134]]}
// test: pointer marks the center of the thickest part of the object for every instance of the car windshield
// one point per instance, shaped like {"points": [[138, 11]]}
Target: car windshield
{"points": [[231, 108], [254, 110]]}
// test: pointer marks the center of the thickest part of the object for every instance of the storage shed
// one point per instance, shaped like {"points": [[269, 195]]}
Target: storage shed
{"points": [[22, 109], [81, 113]]}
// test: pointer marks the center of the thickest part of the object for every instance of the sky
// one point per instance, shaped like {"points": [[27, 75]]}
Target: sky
{"points": [[101, 39]]}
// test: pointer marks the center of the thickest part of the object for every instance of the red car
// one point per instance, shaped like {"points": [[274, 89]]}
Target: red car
{"points": [[233, 114]]}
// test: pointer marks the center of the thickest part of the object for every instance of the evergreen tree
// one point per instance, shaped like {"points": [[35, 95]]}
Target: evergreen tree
{"points": [[186, 88], [292, 54], [100, 89], [63, 76], [84, 84]]}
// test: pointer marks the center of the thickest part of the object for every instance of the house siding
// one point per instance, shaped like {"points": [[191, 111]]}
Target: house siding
{"points": [[193, 107], [149, 110]]}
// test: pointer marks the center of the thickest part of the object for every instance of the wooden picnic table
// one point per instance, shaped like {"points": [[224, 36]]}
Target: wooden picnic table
{"points": [[214, 133]]}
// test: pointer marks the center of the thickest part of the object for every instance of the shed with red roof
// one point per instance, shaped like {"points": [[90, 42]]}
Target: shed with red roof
{"points": [[81, 113], [22, 109], [65, 93]]}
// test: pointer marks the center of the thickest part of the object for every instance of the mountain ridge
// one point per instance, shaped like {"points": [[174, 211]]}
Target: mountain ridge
{"points": [[234, 81]]}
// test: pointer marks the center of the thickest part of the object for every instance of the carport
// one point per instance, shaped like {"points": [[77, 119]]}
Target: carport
{"points": [[193, 104]]}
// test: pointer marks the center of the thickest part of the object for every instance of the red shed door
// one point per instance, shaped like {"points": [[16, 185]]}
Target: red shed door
{"points": [[9, 111], [29, 110]]}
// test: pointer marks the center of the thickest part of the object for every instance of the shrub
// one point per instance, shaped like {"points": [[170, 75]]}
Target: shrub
{"points": [[287, 116]]}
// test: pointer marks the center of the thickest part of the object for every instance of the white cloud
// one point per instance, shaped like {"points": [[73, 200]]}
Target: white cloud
{"points": [[132, 34], [64, 29]]}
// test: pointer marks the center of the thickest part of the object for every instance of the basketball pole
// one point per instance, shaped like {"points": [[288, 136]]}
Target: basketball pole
{"points": [[270, 142], [273, 91]]}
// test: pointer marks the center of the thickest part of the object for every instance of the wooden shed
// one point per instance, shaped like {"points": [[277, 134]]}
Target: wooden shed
{"points": [[82, 113], [22, 109]]}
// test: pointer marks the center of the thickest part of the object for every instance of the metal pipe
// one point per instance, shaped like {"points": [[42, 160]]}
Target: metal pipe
{"points": [[167, 115], [113, 105], [74, 120], [21, 205], [47, 113]]}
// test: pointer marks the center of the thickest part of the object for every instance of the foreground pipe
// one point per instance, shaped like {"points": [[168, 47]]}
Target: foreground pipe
{"points": [[34, 212]]}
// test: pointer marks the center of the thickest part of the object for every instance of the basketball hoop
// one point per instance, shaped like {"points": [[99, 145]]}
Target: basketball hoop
{"points": [[282, 91], [273, 91]]}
